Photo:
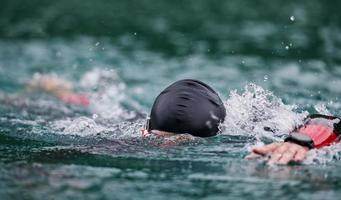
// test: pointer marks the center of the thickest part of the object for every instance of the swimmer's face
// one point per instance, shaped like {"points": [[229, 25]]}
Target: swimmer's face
{"points": [[157, 133], [162, 133]]}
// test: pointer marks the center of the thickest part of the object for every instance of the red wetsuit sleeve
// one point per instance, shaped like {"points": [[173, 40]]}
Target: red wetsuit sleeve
{"points": [[75, 99], [320, 135], [317, 129]]}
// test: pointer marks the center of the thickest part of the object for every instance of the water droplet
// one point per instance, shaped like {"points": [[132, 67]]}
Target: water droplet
{"points": [[266, 78], [135, 33], [287, 47], [292, 18], [97, 43], [94, 116]]}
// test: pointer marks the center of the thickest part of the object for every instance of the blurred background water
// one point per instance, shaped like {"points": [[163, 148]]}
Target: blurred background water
{"points": [[50, 150]]}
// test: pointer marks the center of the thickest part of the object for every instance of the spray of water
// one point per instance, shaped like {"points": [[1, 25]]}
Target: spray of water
{"points": [[324, 156], [259, 113], [106, 93]]}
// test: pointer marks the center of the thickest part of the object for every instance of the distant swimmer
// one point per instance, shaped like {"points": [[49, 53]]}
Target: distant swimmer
{"points": [[60, 88]]}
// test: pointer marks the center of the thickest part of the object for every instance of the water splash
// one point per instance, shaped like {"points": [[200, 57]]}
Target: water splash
{"points": [[260, 113], [106, 93], [324, 155], [322, 109], [106, 115], [81, 126]]}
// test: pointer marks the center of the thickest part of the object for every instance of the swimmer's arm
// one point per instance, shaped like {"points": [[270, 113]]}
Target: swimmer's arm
{"points": [[280, 152], [57, 87], [296, 145]]}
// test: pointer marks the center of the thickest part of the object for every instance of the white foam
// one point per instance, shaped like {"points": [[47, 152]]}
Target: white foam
{"points": [[256, 108], [324, 155], [106, 93], [322, 109], [81, 126]]}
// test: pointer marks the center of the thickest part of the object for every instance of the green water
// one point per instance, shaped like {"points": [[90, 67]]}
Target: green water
{"points": [[49, 150]]}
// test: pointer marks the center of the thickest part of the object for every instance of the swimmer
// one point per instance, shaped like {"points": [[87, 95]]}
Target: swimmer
{"points": [[192, 107], [317, 131], [185, 109]]}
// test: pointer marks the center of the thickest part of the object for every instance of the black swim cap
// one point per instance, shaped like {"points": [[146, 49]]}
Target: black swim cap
{"points": [[188, 106]]}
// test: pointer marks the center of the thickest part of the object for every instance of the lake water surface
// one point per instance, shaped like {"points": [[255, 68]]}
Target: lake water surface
{"points": [[274, 61]]}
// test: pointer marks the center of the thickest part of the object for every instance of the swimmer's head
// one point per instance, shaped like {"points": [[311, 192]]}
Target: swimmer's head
{"points": [[188, 106]]}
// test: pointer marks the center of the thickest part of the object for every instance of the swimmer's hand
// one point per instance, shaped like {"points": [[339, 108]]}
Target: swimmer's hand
{"points": [[280, 153]]}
